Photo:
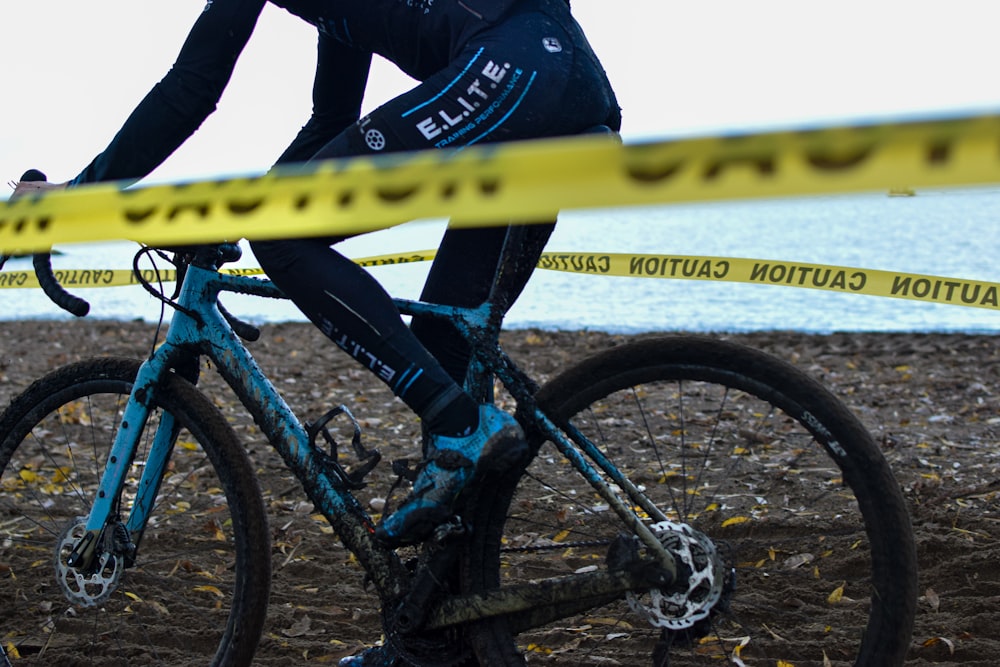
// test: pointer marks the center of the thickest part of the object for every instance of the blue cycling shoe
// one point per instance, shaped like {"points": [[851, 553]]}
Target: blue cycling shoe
{"points": [[377, 656], [496, 444]]}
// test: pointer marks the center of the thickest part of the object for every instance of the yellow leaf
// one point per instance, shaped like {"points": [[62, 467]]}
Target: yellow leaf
{"points": [[937, 640], [560, 536], [130, 594], [735, 521], [28, 476], [12, 651], [836, 595], [209, 589]]}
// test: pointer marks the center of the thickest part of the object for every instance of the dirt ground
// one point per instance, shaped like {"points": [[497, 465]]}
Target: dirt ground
{"points": [[932, 401]]}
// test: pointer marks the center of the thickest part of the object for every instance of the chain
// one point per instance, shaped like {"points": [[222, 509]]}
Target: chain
{"points": [[560, 545]]}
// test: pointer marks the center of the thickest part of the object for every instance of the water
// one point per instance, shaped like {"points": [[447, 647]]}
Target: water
{"points": [[945, 233]]}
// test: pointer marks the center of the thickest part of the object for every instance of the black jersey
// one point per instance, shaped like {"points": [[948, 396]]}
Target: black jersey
{"points": [[419, 36]]}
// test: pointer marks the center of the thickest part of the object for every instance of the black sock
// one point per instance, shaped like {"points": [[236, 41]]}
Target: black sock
{"points": [[458, 418]]}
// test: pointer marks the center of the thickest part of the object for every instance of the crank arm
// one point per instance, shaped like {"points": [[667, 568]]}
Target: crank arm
{"points": [[536, 603]]}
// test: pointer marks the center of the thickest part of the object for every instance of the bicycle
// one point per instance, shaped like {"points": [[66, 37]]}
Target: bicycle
{"points": [[677, 488]]}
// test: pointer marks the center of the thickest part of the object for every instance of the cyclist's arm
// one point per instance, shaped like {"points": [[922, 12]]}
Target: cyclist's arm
{"points": [[338, 90], [180, 102]]}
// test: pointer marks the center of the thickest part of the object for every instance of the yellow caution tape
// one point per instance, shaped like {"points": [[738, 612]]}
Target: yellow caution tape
{"points": [[86, 278], [847, 280], [526, 181]]}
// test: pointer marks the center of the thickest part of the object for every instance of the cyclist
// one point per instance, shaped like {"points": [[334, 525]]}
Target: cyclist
{"points": [[488, 71]]}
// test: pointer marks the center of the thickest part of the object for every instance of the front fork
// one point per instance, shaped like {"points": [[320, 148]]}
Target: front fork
{"points": [[105, 514]]}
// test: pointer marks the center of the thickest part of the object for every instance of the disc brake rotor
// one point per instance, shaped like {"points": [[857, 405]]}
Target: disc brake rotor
{"points": [[86, 589], [701, 577]]}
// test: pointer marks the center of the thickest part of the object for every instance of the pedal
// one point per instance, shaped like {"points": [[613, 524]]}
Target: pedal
{"points": [[369, 457], [453, 527]]}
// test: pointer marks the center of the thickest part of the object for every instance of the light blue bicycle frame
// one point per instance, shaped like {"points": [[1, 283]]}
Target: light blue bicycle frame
{"points": [[198, 327]]}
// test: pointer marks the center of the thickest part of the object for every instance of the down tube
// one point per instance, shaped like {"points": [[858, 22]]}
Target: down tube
{"points": [[288, 437]]}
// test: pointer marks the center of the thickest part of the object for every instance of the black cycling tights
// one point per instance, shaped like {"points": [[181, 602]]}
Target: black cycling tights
{"points": [[422, 367], [532, 76]]}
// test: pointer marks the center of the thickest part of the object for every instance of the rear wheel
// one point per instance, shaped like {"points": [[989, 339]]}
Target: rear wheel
{"points": [[197, 590], [797, 538]]}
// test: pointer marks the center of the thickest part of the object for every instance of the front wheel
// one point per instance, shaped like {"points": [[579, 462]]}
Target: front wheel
{"points": [[194, 593], [797, 547]]}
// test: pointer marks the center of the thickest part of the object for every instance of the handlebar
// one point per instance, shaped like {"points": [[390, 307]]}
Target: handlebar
{"points": [[46, 277], [203, 255]]}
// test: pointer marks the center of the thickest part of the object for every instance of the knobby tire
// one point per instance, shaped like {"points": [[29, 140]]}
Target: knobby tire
{"points": [[803, 509], [198, 591]]}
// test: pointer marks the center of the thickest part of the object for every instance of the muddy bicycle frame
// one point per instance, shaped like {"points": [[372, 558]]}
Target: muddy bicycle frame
{"points": [[199, 328]]}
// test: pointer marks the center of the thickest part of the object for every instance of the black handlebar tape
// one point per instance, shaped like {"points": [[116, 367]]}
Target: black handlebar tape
{"points": [[34, 175], [50, 285], [43, 270]]}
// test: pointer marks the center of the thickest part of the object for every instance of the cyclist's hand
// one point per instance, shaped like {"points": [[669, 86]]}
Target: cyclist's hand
{"points": [[22, 188]]}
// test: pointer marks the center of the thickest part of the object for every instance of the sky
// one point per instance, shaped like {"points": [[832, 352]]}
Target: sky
{"points": [[73, 70]]}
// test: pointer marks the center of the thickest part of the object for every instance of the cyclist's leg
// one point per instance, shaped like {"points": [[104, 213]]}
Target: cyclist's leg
{"points": [[348, 305], [513, 87], [353, 310], [474, 255], [512, 83], [582, 99]]}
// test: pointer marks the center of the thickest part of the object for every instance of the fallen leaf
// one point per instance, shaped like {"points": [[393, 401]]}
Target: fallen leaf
{"points": [[736, 520], [934, 641], [932, 599], [299, 628], [209, 589], [798, 560]]}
